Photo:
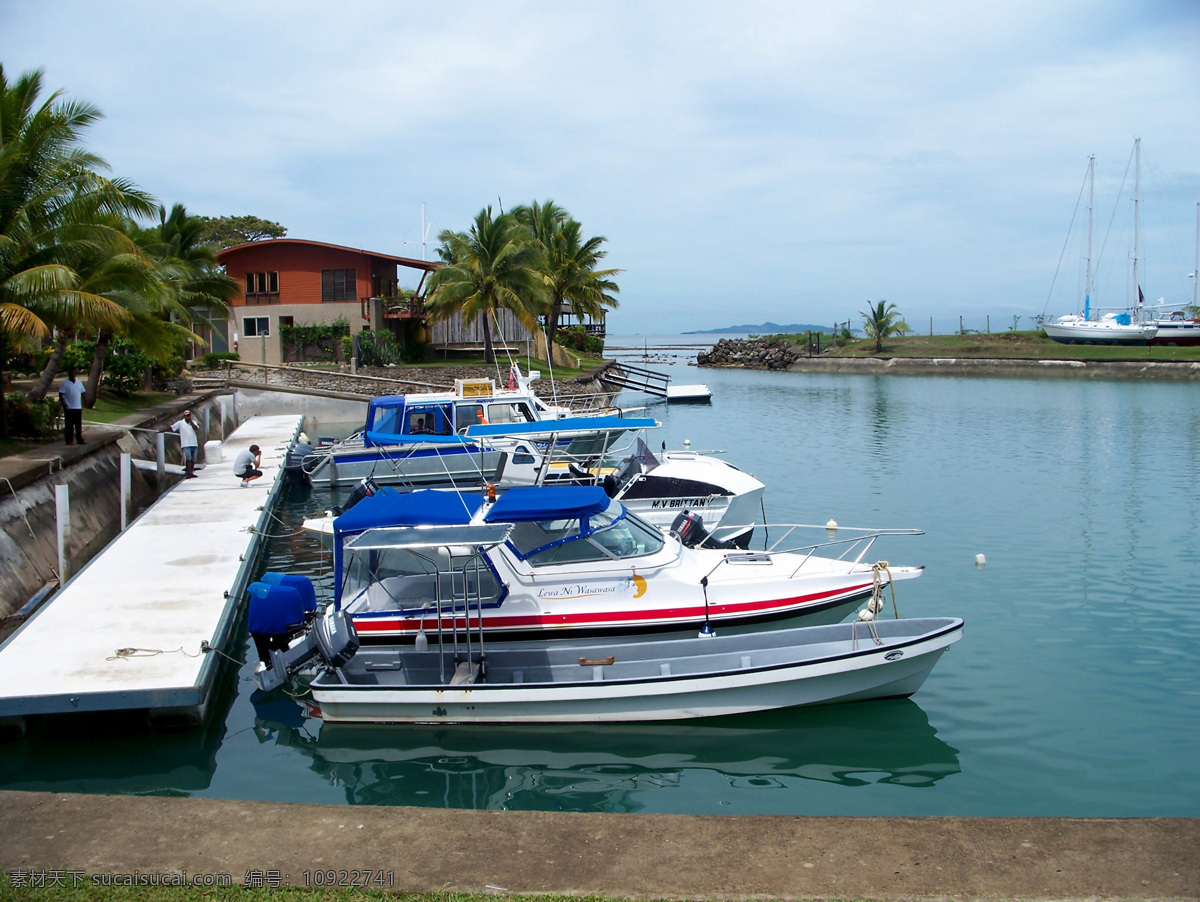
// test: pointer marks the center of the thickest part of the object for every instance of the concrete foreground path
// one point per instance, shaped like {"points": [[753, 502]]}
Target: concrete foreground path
{"points": [[619, 855]]}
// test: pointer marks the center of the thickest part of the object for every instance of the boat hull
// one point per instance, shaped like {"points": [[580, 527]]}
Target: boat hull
{"points": [[1176, 332], [1100, 333], [648, 680]]}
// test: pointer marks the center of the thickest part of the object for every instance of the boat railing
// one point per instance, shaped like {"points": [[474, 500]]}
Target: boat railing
{"points": [[852, 542]]}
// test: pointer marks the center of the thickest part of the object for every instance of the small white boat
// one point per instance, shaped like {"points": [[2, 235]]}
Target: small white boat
{"points": [[461, 676], [578, 562]]}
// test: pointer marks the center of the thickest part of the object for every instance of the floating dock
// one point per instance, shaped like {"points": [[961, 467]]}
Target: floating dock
{"points": [[140, 627]]}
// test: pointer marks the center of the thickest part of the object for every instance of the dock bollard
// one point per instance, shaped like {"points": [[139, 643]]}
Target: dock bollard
{"points": [[126, 487], [161, 458], [62, 513]]}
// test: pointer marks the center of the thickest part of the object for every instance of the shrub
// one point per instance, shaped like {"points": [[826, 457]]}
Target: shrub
{"points": [[31, 419], [378, 349], [320, 341], [125, 367], [216, 359], [579, 339]]}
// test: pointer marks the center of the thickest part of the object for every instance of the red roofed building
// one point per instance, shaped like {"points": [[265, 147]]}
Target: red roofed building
{"points": [[290, 281]]}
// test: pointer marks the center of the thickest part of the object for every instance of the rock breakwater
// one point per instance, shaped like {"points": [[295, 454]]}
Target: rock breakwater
{"points": [[751, 353]]}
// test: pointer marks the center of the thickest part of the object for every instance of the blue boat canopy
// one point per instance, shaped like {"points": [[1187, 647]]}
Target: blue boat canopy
{"points": [[530, 503], [387, 507]]}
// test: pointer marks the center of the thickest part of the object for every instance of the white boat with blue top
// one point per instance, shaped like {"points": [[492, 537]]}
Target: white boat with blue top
{"points": [[462, 438], [464, 675], [579, 562]]}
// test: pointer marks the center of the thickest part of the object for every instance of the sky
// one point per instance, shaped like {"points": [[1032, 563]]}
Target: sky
{"points": [[789, 162]]}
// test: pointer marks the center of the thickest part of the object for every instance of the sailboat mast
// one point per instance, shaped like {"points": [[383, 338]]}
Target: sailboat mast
{"points": [[1137, 222], [1196, 265], [1087, 282]]}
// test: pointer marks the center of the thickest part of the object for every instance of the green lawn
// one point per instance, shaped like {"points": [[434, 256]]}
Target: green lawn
{"points": [[1031, 344]]}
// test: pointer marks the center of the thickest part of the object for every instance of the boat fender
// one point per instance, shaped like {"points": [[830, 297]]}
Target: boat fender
{"points": [[610, 486]]}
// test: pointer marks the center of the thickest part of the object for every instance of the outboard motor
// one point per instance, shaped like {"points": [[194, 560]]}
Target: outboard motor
{"points": [[332, 638], [689, 529], [279, 609], [293, 464], [365, 489]]}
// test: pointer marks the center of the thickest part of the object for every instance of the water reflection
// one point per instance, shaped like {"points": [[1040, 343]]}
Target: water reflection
{"points": [[607, 767]]}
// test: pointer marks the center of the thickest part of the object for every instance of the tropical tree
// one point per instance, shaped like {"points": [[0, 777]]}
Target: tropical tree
{"points": [[228, 231], [495, 265], [568, 265], [183, 281], [882, 321], [56, 212]]}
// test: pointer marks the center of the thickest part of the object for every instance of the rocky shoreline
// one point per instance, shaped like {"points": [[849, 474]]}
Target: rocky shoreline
{"points": [[763, 354]]}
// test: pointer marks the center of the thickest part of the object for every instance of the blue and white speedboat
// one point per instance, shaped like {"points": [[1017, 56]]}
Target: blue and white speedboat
{"points": [[463, 438]]}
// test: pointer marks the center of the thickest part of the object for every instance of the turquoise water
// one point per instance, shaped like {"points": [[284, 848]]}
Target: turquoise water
{"points": [[1076, 690]]}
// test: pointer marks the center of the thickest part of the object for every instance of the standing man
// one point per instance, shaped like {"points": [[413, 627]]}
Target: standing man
{"points": [[70, 395], [245, 465], [190, 443]]}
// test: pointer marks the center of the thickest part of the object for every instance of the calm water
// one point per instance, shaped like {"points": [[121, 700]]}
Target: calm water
{"points": [[1076, 690]]}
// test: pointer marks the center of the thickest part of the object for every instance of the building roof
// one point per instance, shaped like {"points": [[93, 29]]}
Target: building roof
{"points": [[426, 265]]}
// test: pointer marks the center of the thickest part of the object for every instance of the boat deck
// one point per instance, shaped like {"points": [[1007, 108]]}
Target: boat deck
{"points": [[129, 630]]}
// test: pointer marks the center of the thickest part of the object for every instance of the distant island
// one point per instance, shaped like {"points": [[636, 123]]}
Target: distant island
{"points": [[764, 329]]}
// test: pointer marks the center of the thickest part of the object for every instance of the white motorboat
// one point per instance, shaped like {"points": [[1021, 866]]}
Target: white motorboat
{"points": [[656, 488], [578, 562], [461, 438], [463, 676]]}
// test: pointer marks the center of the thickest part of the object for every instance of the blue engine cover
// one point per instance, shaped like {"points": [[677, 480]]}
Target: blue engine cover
{"points": [[301, 584], [274, 610]]}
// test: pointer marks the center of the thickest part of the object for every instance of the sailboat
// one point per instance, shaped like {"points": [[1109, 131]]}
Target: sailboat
{"points": [[1109, 328], [1182, 327]]}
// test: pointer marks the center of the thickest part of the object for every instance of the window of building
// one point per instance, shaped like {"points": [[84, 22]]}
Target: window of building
{"points": [[256, 326], [262, 288], [338, 285]]}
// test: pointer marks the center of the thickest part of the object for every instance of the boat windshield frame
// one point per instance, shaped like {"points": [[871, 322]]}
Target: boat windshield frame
{"points": [[584, 529]]}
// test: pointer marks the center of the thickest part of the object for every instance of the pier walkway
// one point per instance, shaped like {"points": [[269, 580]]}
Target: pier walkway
{"points": [[129, 631]]}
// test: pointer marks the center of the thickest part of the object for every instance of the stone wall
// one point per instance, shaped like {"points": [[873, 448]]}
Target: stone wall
{"points": [[753, 353]]}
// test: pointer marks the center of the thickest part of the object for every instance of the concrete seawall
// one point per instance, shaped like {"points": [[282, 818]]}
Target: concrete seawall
{"points": [[994, 366]]}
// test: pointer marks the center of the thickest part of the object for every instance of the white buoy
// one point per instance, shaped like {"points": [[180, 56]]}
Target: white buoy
{"points": [[831, 527], [687, 443], [866, 615], [980, 560]]}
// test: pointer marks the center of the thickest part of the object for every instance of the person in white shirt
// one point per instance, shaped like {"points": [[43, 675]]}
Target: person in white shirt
{"points": [[70, 395], [246, 465], [189, 442]]}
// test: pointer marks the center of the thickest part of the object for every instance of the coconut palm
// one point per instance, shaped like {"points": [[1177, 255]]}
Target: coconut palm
{"points": [[569, 265], [186, 282], [55, 211], [882, 321], [495, 265]]}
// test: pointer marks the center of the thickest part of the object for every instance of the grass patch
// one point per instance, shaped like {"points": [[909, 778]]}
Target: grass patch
{"points": [[1031, 345], [111, 407]]}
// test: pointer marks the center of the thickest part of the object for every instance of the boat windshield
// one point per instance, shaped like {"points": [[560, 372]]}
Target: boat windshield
{"points": [[389, 579], [609, 535]]}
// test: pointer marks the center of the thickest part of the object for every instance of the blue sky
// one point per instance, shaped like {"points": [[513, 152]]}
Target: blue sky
{"points": [[757, 161]]}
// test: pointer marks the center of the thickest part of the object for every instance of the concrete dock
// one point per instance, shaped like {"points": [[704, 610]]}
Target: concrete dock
{"points": [[78, 838], [129, 631]]}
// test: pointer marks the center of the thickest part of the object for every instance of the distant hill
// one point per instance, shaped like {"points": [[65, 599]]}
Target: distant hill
{"points": [[764, 329]]}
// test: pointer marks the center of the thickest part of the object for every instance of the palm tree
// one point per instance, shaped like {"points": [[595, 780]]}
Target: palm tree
{"points": [[882, 321], [495, 265], [569, 265], [55, 212], [186, 282]]}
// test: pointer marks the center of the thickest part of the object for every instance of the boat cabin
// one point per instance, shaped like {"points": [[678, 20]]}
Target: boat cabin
{"points": [[395, 419]]}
